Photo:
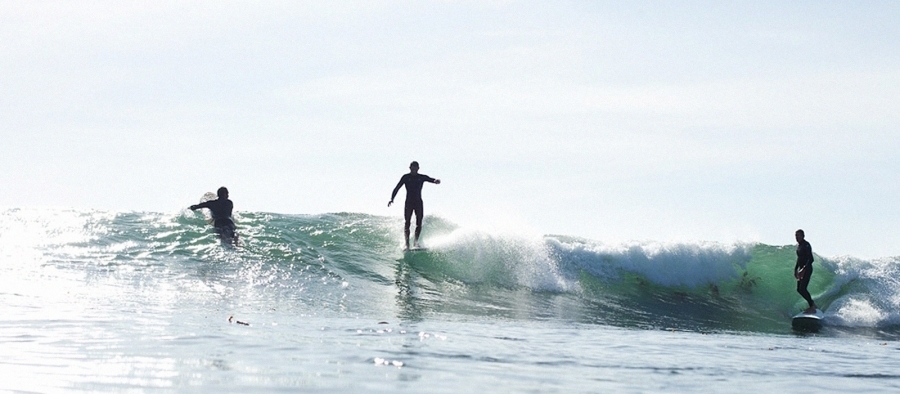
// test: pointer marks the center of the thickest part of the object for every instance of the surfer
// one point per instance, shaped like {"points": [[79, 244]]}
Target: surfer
{"points": [[413, 182], [803, 269], [221, 214]]}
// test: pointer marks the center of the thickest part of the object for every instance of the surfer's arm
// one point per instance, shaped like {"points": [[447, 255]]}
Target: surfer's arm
{"points": [[396, 189], [198, 206], [427, 178]]}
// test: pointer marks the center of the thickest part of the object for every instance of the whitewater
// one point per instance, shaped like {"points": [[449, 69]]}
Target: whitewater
{"points": [[99, 301]]}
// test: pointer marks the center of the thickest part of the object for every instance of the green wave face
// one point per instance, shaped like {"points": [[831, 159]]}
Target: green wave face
{"points": [[353, 264]]}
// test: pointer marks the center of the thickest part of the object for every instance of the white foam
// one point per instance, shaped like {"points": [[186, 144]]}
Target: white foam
{"points": [[554, 263], [853, 312], [668, 264], [508, 258], [873, 292]]}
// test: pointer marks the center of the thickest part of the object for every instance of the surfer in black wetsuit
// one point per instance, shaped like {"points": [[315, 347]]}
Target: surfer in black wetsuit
{"points": [[803, 269], [413, 182], [221, 213]]}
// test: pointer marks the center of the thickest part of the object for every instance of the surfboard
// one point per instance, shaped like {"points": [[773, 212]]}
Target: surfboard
{"points": [[417, 249], [808, 321], [208, 196]]}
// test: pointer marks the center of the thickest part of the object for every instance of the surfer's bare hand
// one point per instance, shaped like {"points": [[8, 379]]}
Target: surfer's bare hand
{"points": [[437, 181], [390, 202]]}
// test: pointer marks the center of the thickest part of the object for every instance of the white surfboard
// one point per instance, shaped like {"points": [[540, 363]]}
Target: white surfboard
{"points": [[808, 321], [208, 196]]}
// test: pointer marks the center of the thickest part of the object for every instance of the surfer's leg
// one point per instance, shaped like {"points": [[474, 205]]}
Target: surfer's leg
{"points": [[419, 209], [407, 215]]}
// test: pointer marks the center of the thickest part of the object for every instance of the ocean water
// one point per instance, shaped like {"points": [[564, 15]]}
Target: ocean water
{"points": [[97, 301]]}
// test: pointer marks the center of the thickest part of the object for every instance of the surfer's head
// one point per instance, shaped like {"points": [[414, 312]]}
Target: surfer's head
{"points": [[414, 166], [799, 235], [222, 192]]}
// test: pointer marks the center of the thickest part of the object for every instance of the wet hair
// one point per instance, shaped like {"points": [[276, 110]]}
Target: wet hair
{"points": [[222, 192], [414, 164], [799, 232]]}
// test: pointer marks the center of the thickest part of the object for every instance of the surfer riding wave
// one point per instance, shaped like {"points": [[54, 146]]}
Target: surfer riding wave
{"points": [[803, 269], [413, 182]]}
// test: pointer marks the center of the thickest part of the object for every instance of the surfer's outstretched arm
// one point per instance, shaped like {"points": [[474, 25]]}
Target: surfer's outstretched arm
{"points": [[198, 206]]}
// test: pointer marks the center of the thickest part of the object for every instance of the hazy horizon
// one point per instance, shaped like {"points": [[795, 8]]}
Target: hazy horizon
{"points": [[665, 121]]}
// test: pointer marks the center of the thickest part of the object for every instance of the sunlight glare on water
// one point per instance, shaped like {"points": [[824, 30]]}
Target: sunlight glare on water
{"points": [[101, 302]]}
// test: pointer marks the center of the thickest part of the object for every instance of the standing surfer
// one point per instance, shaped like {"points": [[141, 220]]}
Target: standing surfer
{"points": [[803, 269], [413, 182], [221, 214]]}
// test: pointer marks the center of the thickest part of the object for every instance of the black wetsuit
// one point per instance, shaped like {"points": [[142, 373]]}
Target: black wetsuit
{"points": [[413, 183], [221, 214], [804, 260]]}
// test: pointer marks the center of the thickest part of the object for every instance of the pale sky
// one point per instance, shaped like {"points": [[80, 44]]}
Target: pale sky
{"points": [[673, 121]]}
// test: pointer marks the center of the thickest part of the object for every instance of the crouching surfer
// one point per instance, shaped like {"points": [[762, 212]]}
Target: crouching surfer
{"points": [[803, 269], [221, 213]]}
